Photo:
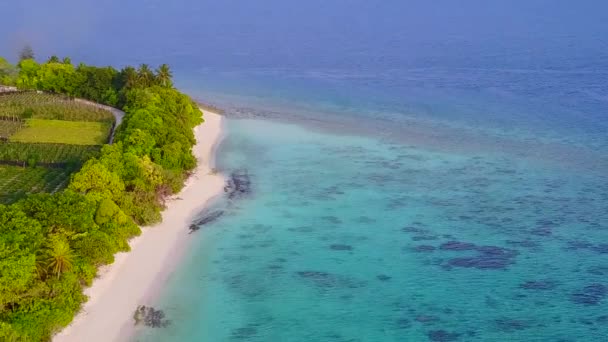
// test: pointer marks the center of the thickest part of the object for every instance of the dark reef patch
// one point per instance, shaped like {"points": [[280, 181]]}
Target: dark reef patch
{"points": [[539, 285], [324, 280], [590, 294], [424, 248], [340, 247], [244, 333], [410, 229], [457, 246], [403, 323], [150, 317], [383, 277], [427, 319], [601, 248], [598, 270], [424, 238], [523, 243], [365, 219], [442, 336], [239, 184], [332, 219], [488, 257], [511, 325]]}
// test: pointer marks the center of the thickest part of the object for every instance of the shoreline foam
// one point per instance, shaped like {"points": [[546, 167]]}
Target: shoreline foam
{"points": [[136, 277]]}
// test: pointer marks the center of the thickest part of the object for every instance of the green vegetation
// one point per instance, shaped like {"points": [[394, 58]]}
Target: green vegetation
{"points": [[8, 128], [16, 182], [52, 243], [7, 72], [26, 105], [63, 132], [47, 153]]}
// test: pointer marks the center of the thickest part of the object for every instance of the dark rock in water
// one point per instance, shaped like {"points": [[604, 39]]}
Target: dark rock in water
{"points": [[238, 184], [383, 277], [590, 294], [340, 247], [538, 285], [457, 246], [150, 317], [442, 336], [510, 325], [208, 218], [424, 248]]}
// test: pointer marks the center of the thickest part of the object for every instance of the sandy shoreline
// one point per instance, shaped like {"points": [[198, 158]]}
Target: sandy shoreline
{"points": [[136, 277]]}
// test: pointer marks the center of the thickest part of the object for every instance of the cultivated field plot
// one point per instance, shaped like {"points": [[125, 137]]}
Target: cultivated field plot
{"points": [[46, 153], [34, 105], [63, 132], [8, 128], [16, 182]]}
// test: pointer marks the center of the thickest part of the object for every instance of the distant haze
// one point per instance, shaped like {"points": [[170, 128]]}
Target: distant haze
{"points": [[314, 33]]}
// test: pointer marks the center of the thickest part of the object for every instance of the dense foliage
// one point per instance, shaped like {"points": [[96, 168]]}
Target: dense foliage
{"points": [[52, 244]]}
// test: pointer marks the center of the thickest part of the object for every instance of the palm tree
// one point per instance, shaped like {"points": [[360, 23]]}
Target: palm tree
{"points": [[129, 77], [53, 59], [58, 257], [145, 75], [164, 75]]}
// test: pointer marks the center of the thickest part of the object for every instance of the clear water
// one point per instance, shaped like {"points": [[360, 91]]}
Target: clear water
{"points": [[341, 240], [420, 171]]}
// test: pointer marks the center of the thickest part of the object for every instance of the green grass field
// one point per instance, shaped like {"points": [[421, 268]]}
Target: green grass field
{"points": [[16, 182], [63, 132]]}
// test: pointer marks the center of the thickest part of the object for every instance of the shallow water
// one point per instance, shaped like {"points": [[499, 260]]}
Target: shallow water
{"points": [[352, 238]]}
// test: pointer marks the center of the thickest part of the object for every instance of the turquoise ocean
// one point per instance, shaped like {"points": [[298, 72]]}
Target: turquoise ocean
{"points": [[387, 207], [417, 170]]}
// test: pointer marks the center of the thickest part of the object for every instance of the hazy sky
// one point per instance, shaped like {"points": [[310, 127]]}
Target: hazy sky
{"points": [[319, 33]]}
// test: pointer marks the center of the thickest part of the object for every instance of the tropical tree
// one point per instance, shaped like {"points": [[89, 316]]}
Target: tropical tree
{"points": [[7, 72], [53, 59], [58, 256], [67, 60], [164, 75], [128, 77], [145, 75], [26, 53]]}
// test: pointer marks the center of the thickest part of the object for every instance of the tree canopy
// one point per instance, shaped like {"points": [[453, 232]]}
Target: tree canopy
{"points": [[52, 244]]}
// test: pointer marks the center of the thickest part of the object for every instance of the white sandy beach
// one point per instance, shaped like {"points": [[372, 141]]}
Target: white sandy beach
{"points": [[135, 277]]}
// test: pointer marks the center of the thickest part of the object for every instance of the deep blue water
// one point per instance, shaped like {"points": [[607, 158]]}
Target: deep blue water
{"points": [[420, 170]]}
